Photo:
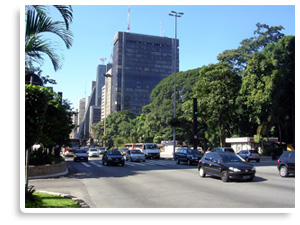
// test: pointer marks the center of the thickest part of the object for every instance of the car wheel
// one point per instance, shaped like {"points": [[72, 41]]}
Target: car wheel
{"points": [[224, 176], [177, 160], [201, 172], [283, 171]]}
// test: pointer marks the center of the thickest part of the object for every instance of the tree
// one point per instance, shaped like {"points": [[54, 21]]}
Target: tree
{"points": [[216, 90], [38, 22], [239, 57]]}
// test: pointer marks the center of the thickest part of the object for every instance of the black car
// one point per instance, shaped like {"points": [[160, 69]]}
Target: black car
{"points": [[226, 166], [112, 157], [286, 163], [190, 156]]}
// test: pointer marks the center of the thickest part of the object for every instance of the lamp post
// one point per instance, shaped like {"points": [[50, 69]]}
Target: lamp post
{"points": [[175, 14]]}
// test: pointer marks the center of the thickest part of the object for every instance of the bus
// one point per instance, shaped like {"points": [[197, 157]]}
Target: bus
{"points": [[70, 150]]}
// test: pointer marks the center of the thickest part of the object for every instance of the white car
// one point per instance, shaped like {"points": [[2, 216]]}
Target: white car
{"points": [[93, 152], [135, 155]]}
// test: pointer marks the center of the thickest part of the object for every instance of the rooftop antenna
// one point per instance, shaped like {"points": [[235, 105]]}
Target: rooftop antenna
{"points": [[102, 60], [128, 20], [162, 32]]}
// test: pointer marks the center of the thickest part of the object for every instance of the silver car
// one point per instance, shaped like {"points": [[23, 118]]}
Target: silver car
{"points": [[135, 155], [249, 155]]}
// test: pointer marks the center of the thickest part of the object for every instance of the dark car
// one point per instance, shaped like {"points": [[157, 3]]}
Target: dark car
{"points": [[190, 156], [81, 154], [223, 149], [286, 163], [226, 166], [111, 157]]}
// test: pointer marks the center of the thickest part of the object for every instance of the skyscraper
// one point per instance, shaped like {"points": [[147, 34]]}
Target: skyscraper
{"points": [[140, 62]]}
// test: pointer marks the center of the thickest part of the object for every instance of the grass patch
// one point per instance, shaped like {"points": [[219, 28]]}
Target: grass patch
{"points": [[55, 201]]}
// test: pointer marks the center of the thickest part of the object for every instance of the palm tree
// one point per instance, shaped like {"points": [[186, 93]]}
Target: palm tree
{"points": [[38, 22]]}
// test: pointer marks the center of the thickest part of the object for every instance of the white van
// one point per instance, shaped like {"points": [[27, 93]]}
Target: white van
{"points": [[149, 149]]}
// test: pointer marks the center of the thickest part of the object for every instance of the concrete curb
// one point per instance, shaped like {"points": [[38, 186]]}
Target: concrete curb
{"points": [[50, 175], [80, 202]]}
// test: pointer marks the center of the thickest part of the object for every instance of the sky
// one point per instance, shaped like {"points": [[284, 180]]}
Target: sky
{"points": [[204, 31]]}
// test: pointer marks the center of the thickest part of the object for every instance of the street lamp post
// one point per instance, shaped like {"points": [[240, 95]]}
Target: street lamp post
{"points": [[175, 14]]}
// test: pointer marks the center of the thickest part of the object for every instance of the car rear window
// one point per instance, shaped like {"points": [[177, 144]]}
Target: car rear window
{"points": [[253, 151], [114, 153], [80, 151]]}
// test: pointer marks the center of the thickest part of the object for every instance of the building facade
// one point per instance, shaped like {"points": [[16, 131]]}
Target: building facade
{"points": [[140, 62]]}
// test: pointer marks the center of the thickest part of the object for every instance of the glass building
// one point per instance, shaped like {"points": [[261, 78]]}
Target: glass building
{"points": [[140, 62]]}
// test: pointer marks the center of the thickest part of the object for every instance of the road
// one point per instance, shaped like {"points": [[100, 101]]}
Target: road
{"points": [[165, 184]]}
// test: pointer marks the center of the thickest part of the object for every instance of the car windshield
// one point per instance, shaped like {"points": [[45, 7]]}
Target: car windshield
{"points": [[230, 158], [253, 151], [114, 153], [151, 146], [93, 150], [136, 152], [80, 151], [193, 151]]}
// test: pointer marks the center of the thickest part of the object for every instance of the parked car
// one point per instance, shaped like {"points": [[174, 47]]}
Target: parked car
{"points": [[123, 151], [93, 152], [223, 149], [190, 156], [81, 154], [101, 150], [112, 157], [135, 155], [286, 163], [249, 155], [226, 166]]}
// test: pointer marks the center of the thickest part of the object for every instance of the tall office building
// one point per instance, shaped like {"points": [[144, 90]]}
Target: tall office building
{"points": [[101, 69], [140, 62]]}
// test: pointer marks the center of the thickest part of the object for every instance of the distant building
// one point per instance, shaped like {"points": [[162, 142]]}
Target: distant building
{"points": [[101, 69], [140, 62]]}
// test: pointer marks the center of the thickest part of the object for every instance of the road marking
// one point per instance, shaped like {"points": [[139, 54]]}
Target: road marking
{"points": [[85, 164], [96, 164]]}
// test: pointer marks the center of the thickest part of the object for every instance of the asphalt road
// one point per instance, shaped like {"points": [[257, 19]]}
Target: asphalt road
{"points": [[165, 184]]}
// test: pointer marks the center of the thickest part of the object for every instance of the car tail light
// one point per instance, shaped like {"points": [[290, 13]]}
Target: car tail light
{"points": [[199, 161], [278, 161], [250, 154]]}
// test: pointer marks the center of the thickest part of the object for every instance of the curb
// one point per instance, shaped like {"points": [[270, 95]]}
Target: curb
{"points": [[50, 175], [80, 202]]}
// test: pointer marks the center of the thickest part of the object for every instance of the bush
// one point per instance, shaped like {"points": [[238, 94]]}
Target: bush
{"points": [[39, 157], [31, 200]]}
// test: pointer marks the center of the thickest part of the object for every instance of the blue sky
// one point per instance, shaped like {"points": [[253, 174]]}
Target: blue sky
{"points": [[204, 31]]}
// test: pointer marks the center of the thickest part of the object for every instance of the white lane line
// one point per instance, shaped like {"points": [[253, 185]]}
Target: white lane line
{"points": [[85, 164]]}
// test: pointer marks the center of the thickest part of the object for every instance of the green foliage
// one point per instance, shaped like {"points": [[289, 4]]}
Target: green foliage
{"points": [[46, 120], [37, 23], [31, 200]]}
